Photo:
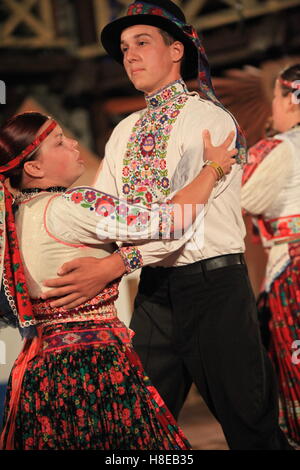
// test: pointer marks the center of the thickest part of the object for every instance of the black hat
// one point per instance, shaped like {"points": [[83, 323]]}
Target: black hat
{"points": [[162, 14]]}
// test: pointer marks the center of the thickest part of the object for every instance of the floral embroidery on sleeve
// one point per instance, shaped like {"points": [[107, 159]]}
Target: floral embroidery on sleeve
{"points": [[109, 207], [123, 218]]}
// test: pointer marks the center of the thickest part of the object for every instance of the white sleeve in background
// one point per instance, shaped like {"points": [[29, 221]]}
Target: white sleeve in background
{"points": [[263, 187]]}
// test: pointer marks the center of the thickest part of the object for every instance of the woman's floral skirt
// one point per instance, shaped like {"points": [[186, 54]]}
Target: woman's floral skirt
{"points": [[86, 389], [282, 305]]}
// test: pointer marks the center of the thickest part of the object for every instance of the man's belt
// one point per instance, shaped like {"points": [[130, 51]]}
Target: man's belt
{"points": [[208, 264], [217, 262]]}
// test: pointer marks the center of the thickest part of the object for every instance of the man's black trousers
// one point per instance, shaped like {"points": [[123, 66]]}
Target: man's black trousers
{"points": [[198, 325]]}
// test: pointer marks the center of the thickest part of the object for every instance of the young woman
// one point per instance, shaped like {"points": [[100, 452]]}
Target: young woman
{"points": [[77, 383], [271, 192]]}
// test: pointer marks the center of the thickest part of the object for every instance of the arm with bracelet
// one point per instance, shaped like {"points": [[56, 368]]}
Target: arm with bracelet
{"points": [[151, 252], [97, 273]]}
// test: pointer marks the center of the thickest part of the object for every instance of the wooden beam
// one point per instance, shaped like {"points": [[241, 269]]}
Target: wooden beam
{"points": [[230, 15], [86, 22], [23, 15], [33, 43], [125, 4], [102, 13], [46, 11], [192, 8], [16, 17], [90, 51], [20, 64]]}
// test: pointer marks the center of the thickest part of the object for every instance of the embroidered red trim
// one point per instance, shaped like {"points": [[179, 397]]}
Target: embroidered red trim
{"points": [[256, 155]]}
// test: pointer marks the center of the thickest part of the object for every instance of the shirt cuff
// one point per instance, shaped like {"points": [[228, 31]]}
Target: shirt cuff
{"points": [[166, 220], [132, 258]]}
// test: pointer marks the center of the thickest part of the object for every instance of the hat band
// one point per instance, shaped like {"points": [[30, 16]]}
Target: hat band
{"points": [[141, 8]]}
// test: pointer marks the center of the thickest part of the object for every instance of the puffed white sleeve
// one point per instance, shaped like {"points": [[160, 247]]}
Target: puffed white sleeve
{"points": [[87, 216], [264, 185]]}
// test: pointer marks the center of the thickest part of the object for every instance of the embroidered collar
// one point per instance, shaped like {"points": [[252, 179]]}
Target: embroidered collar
{"points": [[165, 95]]}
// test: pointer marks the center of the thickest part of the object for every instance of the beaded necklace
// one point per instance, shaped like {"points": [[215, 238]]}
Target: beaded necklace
{"points": [[28, 193]]}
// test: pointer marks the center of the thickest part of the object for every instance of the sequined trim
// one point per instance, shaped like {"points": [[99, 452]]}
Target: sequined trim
{"points": [[104, 313], [10, 298], [102, 304]]}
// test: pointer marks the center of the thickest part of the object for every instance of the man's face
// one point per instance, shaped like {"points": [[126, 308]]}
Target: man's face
{"points": [[150, 63]]}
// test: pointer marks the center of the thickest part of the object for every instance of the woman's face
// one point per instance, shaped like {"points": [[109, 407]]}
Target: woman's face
{"points": [[59, 158], [280, 109]]}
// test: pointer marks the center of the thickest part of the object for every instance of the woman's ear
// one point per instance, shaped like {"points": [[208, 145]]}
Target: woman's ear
{"points": [[177, 51], [34, 169]]}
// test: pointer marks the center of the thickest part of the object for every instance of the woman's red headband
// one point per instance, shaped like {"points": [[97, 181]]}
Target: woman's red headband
{"points": [[295, 85], [28, 150]]}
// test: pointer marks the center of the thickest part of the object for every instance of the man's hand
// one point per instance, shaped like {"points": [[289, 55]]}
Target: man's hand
{"points": [[83, 278], [294, 251]]}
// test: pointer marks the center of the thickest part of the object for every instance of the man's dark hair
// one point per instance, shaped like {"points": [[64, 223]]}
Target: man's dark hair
{"points": [[168, 40]]}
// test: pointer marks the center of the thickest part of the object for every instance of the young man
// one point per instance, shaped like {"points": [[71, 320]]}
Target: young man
{"points": [[195, 314]]}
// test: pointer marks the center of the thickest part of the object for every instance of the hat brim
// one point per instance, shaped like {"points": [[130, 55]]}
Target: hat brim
{"points": [[111, 36]]}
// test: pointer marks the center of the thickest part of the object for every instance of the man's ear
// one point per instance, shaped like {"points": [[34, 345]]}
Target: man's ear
{"points": [[34, 169], [177, 49]]}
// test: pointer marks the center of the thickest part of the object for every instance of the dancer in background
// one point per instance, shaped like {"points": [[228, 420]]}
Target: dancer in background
{"points": [[77, 383], [271, 192]]}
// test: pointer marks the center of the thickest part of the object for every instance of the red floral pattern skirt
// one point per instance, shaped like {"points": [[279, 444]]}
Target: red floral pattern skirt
{"points": [[283, 303], [86, 389]]}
